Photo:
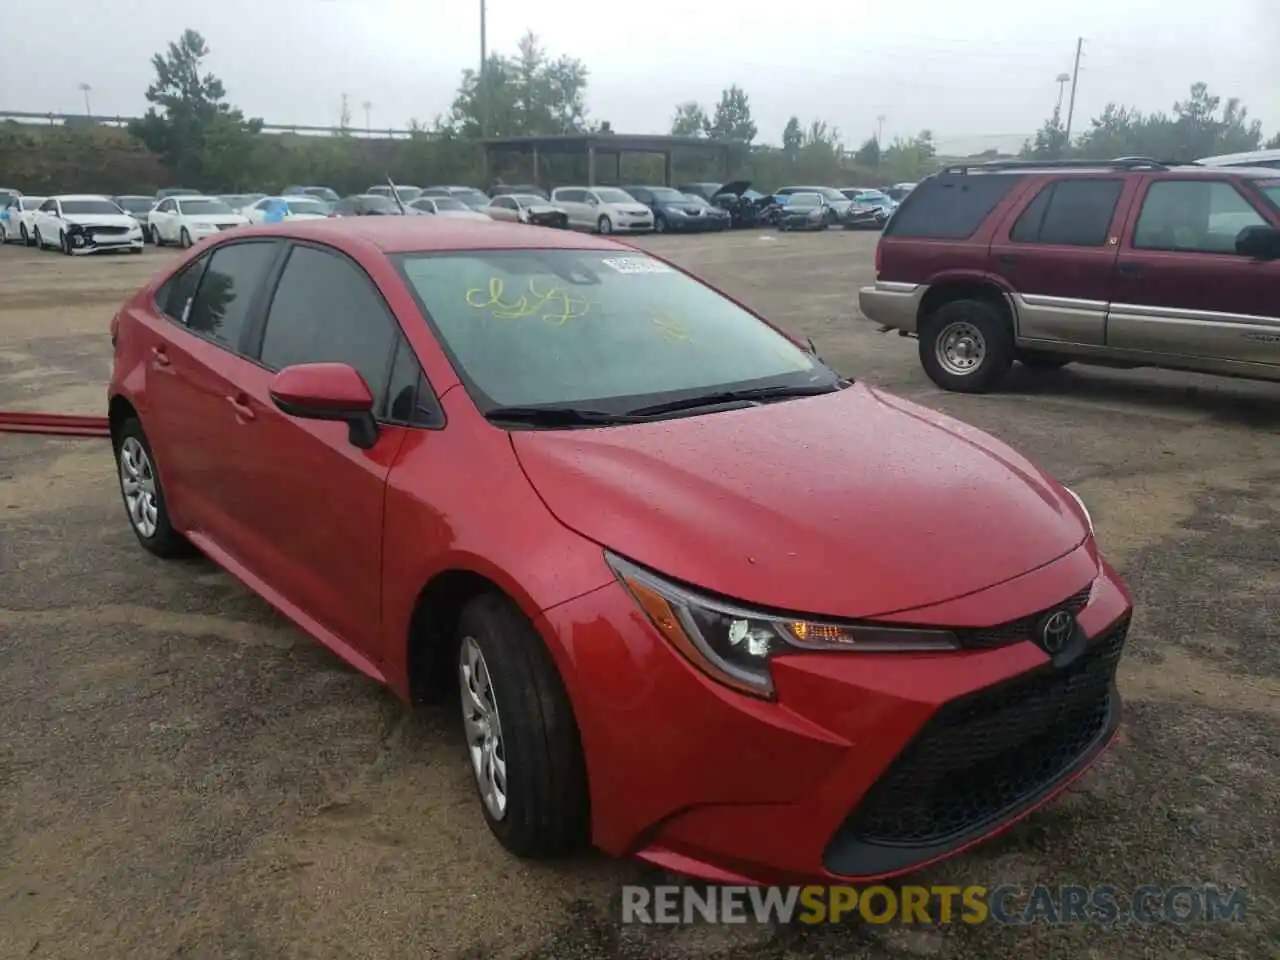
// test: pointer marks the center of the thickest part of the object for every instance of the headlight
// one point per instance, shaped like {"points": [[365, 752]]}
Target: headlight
{"points": [[1083, 509], [733, 645]]}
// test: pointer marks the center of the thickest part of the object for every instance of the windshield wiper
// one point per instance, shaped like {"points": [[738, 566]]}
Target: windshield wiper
{"points": [[557, 416], [738, 396]]}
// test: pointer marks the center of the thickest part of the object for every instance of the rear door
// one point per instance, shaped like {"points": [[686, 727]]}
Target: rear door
{"points": [[1181, 289], [1057, 252]]}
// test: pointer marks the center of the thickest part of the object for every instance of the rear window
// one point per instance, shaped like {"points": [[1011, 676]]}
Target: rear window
{"points": [[950, 207]]}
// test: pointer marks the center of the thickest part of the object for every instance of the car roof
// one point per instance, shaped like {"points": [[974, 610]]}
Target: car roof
{"points": [[1240, 159], [427, 234], [1104, 169], [78, 196]]}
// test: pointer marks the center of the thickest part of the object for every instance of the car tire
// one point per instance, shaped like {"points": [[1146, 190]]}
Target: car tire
{"points": [[39, 240], [659, 225], [64, 243], [148, 510], [184, 239], [604, 225], [26, 237], [506, 673], [1041, 361], [966, 346], [156, 238]]}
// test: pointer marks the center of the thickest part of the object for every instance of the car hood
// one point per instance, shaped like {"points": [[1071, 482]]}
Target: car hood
{"points": [[461, 215], [544, 208], [635, 209], [101, 219], [853, 504], [735, 187]]}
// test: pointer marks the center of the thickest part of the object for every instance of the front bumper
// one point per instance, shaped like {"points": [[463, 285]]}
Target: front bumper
{"points": [[97, 243], [633, 225], [867, 766]]}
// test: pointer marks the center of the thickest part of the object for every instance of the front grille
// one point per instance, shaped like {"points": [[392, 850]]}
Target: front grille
{"points": [[109, 231], [984, 638], [983, 757]]}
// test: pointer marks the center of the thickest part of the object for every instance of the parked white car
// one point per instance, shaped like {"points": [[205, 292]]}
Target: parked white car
{"points": [[188, 220], [279, 209], [527, 208], [603, 209], [18, 219], [85, 223], [447, 207]]}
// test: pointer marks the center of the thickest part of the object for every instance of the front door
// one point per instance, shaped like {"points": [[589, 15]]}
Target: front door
{"points": [[315, 500], [1182, 290], [1058, 253]]}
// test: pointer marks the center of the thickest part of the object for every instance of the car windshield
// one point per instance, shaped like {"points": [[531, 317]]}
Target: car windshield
{"points": [[668, 195], [804, 200], [381, 204], [135, 204], [31, 203], [90, 206], [526, 199], [1271, 190], [831, 193], [614, 196], [871, 196], [314, 207], [203, 205], [324, 193], [408, 193], [694, 199], [448, 203], [604, 329]]}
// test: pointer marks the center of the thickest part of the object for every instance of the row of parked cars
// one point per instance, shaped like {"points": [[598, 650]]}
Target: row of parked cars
{"points": [[81, 223]]}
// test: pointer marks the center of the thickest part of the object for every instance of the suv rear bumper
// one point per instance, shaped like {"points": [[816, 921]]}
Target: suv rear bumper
{"points": [[893, 305]]}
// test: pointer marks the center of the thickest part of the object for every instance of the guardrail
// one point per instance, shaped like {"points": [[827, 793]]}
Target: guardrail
{"points": [[54, 424]]}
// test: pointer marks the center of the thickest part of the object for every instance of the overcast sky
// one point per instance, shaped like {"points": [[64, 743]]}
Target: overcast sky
{"points": [[978, 73]]}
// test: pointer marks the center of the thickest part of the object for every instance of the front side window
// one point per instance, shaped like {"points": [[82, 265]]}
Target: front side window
{"points": [[620, 330], [325, 310], [174, 295], [235, 273], [1195, 216], [614, 196]]}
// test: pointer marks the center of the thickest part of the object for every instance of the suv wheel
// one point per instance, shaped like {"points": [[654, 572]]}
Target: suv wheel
{"points": [[966, 346]]}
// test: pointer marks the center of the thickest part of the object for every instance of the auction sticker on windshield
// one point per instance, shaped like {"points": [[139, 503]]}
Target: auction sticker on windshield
{"points": [[636, 265]]}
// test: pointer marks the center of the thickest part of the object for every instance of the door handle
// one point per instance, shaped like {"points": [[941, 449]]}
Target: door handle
{"points": [[244, 412], [1130, 269], [160, 357]]}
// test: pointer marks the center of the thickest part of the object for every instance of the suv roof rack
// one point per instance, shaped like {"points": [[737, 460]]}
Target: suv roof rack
{"points": [[1120, 163]]}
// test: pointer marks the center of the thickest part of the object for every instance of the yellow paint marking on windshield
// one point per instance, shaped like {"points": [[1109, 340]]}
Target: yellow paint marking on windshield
{"points": [[671, 329], [556, 305]]}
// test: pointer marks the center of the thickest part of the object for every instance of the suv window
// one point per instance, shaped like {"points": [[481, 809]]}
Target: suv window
{"points": [[950, 207], [325, 309], [1073, 213], [175, 294], [221, 306], [1197, 216]]}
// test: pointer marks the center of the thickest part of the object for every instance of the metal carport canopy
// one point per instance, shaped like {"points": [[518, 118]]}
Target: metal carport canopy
{"points": [[613, 144]]}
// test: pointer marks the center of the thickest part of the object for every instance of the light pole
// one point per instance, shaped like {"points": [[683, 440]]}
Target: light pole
{"points": [[85, 88], [879, 129], [1062, 80], [368, 108]]}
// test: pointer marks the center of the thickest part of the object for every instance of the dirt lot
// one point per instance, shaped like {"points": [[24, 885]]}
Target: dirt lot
{"points": [[182, 774]]}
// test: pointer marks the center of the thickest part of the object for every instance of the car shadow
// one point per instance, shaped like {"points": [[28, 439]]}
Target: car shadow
{"points": [[1244, 402]]}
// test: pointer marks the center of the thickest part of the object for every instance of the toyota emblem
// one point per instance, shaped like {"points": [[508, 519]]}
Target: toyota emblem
{"points": [[1056, 630]]}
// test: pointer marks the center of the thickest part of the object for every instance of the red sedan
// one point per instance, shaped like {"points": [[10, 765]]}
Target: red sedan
{"points": [[704, 600]]}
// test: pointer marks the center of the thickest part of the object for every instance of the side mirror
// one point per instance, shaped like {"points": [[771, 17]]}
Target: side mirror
{"points": [[1259, 243], [327, 391]]}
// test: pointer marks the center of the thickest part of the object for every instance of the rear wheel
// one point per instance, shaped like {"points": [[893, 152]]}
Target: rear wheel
{"points": [[522, 740], [966, 346], [143, 495], [39, 240], [65, 243], [604, 225], [660, 225], [156, 238]]}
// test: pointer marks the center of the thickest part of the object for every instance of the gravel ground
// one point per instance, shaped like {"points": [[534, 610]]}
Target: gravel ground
{"points": [[184, 775]]}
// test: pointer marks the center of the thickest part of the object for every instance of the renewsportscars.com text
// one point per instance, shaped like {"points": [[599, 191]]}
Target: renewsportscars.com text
{"points": [[1103, 905]]}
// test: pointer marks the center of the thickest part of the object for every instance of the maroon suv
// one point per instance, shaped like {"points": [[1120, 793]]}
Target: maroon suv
{"points": [[1130, 263]]}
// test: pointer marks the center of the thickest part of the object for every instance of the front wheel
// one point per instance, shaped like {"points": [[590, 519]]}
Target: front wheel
{"points": [[660, 225], [65, 243], [156, 238], [39, 240], [604, 225], [522, 739], [27, 240], [966, 346], [184, 239]]}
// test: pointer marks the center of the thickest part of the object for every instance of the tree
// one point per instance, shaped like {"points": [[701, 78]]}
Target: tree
{"points": [[690, 120], [792, 137], [910, 159], [732, 119], [868, 154], [1050, 141], [1274, 143], [201, 139], [526, 95]]}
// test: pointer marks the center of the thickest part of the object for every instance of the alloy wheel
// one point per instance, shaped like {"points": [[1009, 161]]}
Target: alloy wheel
{"points": [[482, 726], [138, 484]]}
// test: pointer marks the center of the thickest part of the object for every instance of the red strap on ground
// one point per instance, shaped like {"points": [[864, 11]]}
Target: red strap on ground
{"points": [[54, 424]]}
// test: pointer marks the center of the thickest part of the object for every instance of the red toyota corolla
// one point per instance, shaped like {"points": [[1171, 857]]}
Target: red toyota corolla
{"points": [[706, 602]]}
